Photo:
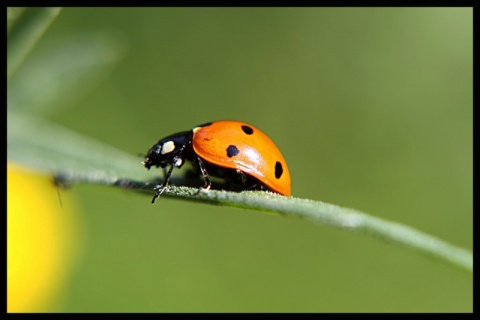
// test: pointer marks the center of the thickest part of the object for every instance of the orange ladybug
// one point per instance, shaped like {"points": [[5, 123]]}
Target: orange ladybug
{"points": [[239, 153]]}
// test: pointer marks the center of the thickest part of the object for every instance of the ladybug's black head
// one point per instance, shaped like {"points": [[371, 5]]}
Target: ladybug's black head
{"points": [[170, 150]]}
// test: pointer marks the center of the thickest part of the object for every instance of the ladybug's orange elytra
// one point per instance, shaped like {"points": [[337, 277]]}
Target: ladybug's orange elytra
{"points": [[237, 145]]}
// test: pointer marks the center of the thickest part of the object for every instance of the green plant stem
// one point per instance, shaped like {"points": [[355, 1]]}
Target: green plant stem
{"points": [[345, 218], [321, 213]]}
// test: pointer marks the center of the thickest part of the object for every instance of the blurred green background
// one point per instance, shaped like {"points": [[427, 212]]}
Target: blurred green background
{"points": [[371, 107]]}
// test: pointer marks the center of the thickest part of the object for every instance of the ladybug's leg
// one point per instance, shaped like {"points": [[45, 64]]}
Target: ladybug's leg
{"points": [[177, 162], [164, 185], [204, 173], [164, 171], [243, 177]]}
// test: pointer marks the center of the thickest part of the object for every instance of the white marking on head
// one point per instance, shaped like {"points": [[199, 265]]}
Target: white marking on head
{"points": [[168, 147]]}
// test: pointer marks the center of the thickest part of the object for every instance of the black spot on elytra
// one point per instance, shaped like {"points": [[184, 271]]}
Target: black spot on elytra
{"points": [[247, 129], [278, 170], [232, 151]]}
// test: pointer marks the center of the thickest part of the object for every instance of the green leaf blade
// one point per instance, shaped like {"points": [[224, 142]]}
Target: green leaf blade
{"points": [[26, 28]]}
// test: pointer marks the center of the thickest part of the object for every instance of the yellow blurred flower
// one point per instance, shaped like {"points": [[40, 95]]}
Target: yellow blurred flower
{"points": [[42, 240]]}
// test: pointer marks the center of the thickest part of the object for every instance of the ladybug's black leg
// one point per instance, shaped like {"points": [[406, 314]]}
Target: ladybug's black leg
{"points": [[164, 171], [204, 173], [177, 162], [243, 177], [164, 185]]}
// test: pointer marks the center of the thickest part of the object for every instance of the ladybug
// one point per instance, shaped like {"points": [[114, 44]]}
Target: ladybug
{"points": [[237, 152]]}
